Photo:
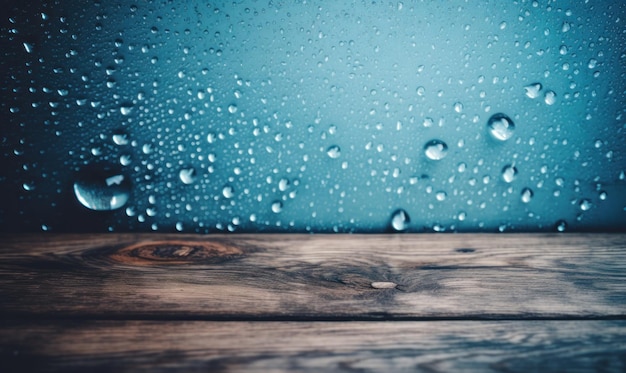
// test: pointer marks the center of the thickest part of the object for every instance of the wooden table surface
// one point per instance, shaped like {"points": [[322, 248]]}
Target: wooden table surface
{"points": [[270, 303]]}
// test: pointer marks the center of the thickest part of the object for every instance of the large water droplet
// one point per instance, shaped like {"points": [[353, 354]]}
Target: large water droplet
{"points": [[533, 90], [501, 127], [187, 175], [509, 173], [400, 220], [228, 191], [550, 97], [526, 195], [120, 138], [585, 204], [277, 207], [333, 151], [126, 108], [102, 190], [436, 149]]}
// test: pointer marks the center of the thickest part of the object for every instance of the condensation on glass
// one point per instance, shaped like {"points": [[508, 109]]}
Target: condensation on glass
{"points": [[301, 116]]}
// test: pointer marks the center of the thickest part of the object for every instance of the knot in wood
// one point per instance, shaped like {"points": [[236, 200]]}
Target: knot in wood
{"points": [[175, 252]]}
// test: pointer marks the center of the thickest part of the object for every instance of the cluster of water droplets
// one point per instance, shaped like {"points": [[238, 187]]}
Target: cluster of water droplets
{"points": [[207, 119]]}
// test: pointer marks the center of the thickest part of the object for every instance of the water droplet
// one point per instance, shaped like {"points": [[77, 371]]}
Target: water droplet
{"points": [[400, 220], [458, 107], [501, 127], [126, 109], [585, 205], [561, 225], [125, 159], [428, 122], [420, 91], [509, 173], [228, 191], [28, 47], [603, 195], [120, 138], [566, 27], [592, 63], [277, 207], [187, 175], [101, 190], [533, 90], [527, 195], [232, 108], [333, 151], [441, 195], [436, 149], [550, 97], [283, 184]]}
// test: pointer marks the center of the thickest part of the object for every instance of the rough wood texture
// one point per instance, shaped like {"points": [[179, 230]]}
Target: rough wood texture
{"points": [[314, 277], [204, 346]]}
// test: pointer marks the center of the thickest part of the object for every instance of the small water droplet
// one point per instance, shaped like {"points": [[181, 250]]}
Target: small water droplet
{"points": [[533, 90], [458, 107], [187, 175], [527, 195], [232, 108], [509, 173], [400, 220], [501, 127], [561, 225], [333, 151], [436, 149], [441, 195], [101, 190]]}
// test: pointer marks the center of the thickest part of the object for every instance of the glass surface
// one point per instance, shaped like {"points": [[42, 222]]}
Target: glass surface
{"points": [[313, 116]]}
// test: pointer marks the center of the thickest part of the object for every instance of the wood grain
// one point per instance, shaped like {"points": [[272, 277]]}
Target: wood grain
{"points": [[313, 277], [205, 346]]}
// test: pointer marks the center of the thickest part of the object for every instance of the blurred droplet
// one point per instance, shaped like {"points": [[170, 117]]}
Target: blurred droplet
{"points": [[277, 206], [585, 204]]}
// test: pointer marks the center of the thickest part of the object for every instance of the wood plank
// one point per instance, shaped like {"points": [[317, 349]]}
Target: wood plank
{"points": [[314, 277], [207, 346]]}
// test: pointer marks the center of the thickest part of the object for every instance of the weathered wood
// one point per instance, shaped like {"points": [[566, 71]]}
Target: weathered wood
{"points": [[314, 277], [205, 346]]}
